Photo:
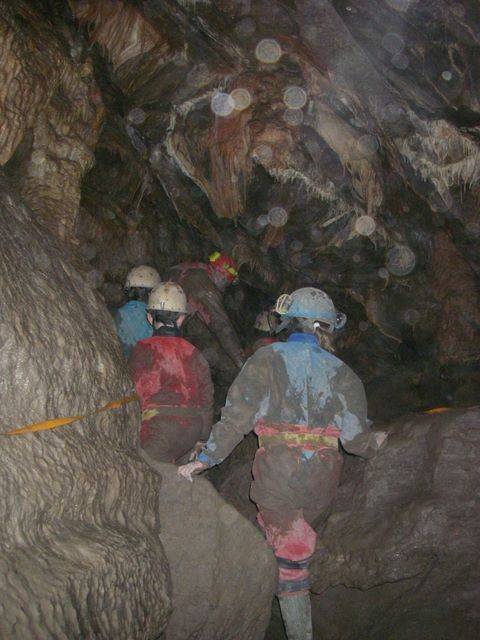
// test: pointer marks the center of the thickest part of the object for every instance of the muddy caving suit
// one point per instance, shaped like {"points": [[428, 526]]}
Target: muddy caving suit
{"points": [[205, 300], [210, 328], [172, 379], [300, 400]]}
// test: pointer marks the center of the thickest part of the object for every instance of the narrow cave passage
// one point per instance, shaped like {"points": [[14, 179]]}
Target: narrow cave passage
{"points": [[243, 150]]}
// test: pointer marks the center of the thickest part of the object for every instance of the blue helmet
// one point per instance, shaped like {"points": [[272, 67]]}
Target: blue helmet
{"points": [[312, 304]]}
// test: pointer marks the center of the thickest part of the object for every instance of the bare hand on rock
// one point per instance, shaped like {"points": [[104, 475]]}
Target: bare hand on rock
{"points": [[190, 469]]}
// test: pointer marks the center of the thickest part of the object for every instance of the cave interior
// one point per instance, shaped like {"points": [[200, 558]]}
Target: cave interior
{"points": [[324, 143]]}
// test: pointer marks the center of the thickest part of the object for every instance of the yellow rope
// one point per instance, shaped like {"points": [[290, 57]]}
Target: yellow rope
{"points": [[60, 422], [437, 410]]}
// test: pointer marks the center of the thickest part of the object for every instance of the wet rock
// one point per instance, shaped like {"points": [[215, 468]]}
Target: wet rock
{"points": [[455, 286], [80, 552], [95, 279], [113, 294], [233, 477], [137, 246], [223, 574], [398, 557], [50, 122]]}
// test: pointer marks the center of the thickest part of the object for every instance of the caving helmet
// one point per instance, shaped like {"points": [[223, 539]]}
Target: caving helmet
{"points": [[167, 296], [311, 304], [225, 265], [143, 277]]}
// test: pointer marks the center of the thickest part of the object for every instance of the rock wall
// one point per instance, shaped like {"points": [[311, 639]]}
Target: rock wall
{"points": [[51, 113], [398, 557], [223, 574], [131, 222], [80, 549]]}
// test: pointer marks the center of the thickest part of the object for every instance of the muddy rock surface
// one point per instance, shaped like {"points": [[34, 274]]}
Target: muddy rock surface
{"points": [[80, 551], [399, 555], [233, 477], [397, 558], [223, 574]]}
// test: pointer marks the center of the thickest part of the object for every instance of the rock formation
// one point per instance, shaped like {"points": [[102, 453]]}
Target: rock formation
{"points": [[223, 578], [80, 546], [398, 555]]}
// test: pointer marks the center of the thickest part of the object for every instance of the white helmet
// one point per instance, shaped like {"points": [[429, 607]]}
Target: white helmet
{"points": [[167, 296], [144, 277], [313, 304]]}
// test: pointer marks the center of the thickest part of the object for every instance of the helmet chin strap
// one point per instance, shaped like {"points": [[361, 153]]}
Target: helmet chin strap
{"points": [[167, 330]]}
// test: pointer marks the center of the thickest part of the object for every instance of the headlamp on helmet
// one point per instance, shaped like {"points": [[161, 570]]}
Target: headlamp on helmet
{"points": [[311, 304]]}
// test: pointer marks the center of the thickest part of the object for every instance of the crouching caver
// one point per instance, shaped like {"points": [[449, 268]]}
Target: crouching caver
{"points": [[300, 400], [131, 320], [204, 285], [172, 379]]}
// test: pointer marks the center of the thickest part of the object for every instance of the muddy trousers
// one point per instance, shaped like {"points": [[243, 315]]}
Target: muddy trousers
{"points": [[170, 438], [293, 490], [293, 542]]}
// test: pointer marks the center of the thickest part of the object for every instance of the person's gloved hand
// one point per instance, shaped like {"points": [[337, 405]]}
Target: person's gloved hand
{"points": [[380, 437], [192, 468]]}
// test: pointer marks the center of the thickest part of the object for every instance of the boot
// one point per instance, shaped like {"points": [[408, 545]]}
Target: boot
{"points": [[297, 616]]}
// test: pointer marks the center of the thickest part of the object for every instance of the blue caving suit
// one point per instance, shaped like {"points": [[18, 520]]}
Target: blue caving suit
{"points": [[301, 401], [132, 324]]}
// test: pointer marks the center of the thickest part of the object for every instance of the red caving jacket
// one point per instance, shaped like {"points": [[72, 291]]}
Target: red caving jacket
{"points": [[173, 377]]}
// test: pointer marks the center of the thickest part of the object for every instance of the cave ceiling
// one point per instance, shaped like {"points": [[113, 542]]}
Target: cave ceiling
{"points": [[312, 126]]}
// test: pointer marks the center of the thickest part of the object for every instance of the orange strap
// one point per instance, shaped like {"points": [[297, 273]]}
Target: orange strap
{"points": [[60, 422], [437, 410]]}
